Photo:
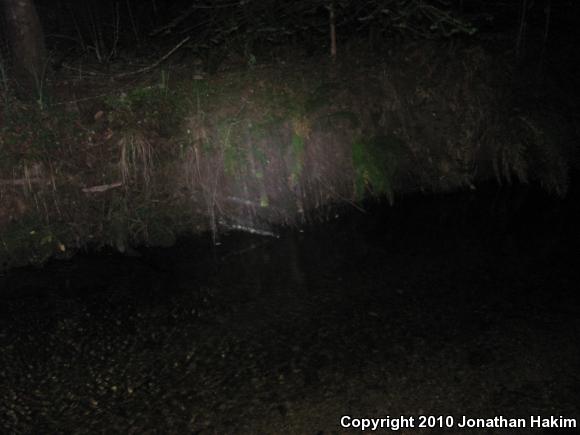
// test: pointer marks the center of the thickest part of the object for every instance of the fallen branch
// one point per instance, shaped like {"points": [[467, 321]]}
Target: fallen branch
{"points": [[156, 64], [102, 187], [251, 230]]}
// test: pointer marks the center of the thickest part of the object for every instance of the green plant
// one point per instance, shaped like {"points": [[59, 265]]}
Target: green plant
{"points": [[41, 92], [298, 148], [158, 107], [376, 161], [233, 155]]}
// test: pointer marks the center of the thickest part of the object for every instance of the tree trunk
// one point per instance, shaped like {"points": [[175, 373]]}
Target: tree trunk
{"points": [[26, 41]]}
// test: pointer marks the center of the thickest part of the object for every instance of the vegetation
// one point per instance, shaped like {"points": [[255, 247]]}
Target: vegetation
{"points": [[376, 162], [121, 155]]}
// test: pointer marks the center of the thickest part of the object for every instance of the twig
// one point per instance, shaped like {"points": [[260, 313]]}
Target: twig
{"points": [[156, 64], [102, 187], [185, 14], [251, 230], [349, 201]]}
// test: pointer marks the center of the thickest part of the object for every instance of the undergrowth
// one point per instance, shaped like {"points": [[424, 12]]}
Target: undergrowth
{"points": [[252, 149], [376, 161]]}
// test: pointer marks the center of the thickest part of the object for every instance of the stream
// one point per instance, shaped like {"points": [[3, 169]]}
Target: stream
{"points": [[455, 306]]}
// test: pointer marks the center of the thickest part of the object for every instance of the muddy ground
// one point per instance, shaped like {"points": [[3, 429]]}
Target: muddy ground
{"points": [[463, 305]]}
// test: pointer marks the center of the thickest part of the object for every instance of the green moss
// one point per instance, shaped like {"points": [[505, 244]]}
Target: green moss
{"points": [[234, 159], [376, 161], [159, 108]]}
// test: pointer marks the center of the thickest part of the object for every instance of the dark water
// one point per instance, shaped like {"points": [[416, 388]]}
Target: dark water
{"points": [[458, 304]]}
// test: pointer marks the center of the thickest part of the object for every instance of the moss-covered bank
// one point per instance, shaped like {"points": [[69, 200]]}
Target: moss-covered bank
{"points": [[98, 162]]}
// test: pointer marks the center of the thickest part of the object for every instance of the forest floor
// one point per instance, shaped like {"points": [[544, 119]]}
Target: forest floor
{"points": [[441, 309]]}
